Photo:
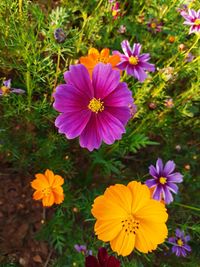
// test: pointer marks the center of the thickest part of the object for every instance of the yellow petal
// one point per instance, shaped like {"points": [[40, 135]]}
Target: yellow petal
{"points": [[105, 209], [37, 195], [107, 230], [50, 176], [105, 52], [123, 244], [140, 195], [93, 51], [48, 201], [153, 211], [58, 181]]}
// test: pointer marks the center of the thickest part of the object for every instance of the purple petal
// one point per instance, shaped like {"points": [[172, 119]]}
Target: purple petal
{"points": [[141, 73], [144, 57], [187, 247], [121, 113], [168, 198], [110, 128], [172, 240], [179, 233], [151, 183], [174, 249], [172, 187], [72, 124], [169, 167], [69, 99], [126, 48], [192, 29], [136, 49], [90, 137], [153, 171], [105, 80], [7, 83], [78, 76], [120, 97], [192, 13], [159, 166], [122, 65], [147, 66], [175, 177], [157, 192], [187, 238], [17, 91], [182, 251]]}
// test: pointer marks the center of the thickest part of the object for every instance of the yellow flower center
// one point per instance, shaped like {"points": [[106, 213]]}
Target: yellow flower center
{"points": [[163, 180], [153, 25], [103, 59], [96, 105], [5, 90], [46, 191], [130, 225], [179, 242], [114, 13], [197, 22], [133, 60]]}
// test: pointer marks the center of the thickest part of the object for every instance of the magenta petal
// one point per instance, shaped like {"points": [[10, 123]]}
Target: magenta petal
{"points": [[126, 48], [72, 124], [69, 99], [90, 137], [120, 97], [121, 113], [144, 57], [105, 80], [122, 65], [78, 76], [110, 127], [147, 66], [136, 49], [141, 73], [151, 183]]}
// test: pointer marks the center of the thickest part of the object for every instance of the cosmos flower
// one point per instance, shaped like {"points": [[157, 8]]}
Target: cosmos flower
{"points": [[59, 35], [129, 218], [48, 188], [192, 19], [179, 242], [154, 25], [82, 249], [134, 63], [116, 10], [96, 110], [94, 57], [104, 260], [164, 180], [6, 89]]}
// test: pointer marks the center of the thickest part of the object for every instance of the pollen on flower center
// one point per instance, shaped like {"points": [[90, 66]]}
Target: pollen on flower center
{"points": [[103, 59], [5, 90], [163, 180], [179, 242], [197, 22], [153, 25], [133, 60], [130, 225], [46, 191], [96, 105]]}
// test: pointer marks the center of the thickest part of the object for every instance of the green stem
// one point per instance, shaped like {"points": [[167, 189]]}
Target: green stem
{"points": [[57, 71], [187, 206], [28, 86]]}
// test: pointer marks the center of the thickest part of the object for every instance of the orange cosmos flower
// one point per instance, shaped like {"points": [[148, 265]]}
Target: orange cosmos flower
{"points": [[94, 57], [129, 218], [48, 188]]}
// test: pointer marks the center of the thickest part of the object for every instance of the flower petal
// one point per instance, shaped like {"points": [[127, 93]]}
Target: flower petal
{"points": [[159, 166], [126, 48], [58, 181], [175, 177], [48, 201], [172, 187], [169, 167], [136, 49], [151, 182], [157, 192], [38, 195], [168, 198], [153, 171], [50, 176]]}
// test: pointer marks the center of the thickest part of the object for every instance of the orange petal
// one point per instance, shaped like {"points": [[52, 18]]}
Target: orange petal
{"points": [[37, 195], [88, 62], [114, 60], [93, 51], [58, 181], [105, 52], [58, 198], [58, 190], [48, 201], [40, 182], [107, 230], [50, 176]]}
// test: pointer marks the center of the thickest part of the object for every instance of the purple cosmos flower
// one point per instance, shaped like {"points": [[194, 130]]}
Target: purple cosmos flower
{"points": [[82, 249], [59, 35], [189, 57], [179, 242], [192, 19], [134, 63], [154, 25], [104, 260], [96, 110], [6, 89], [164, 180]]}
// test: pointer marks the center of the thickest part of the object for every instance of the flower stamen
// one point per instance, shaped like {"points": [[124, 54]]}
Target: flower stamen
{"points": [[197, 22], [96, 105], [130, 225], [179, 242], [163, 180], [133, 60]]}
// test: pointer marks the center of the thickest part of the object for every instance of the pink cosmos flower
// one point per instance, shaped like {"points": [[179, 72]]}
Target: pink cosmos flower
{"points": [[95, 110], [134, 63], [192, 19]]}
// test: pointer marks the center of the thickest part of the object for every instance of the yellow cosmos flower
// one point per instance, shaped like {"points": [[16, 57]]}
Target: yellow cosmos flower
{"points": [[129, 218], [48, 188], [94, 57]]}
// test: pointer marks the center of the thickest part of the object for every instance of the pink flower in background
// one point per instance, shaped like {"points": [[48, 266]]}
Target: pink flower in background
{"points": [[192, 19], [154, 25], [133, 62], [116, 10], [122, 29], [96, 110]]}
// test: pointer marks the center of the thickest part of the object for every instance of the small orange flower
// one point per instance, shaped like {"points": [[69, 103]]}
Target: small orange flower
{"points": [[94, 57], [48, 188]]}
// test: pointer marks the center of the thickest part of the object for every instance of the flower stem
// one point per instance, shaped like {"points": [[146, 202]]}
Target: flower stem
{"points": [[57, 72], [187, 206]]}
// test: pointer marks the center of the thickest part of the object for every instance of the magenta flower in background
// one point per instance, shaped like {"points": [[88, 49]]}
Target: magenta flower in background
{"points": [[116, 10], [134, 63], [82, 249], [179, 242], [164, 180], [6, 89], [96, 110], [192, 19], [154, 25], [104, 260]]}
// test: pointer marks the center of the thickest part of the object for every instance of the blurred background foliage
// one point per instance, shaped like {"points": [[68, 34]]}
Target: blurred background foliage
{"points": [[167, 123]]}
